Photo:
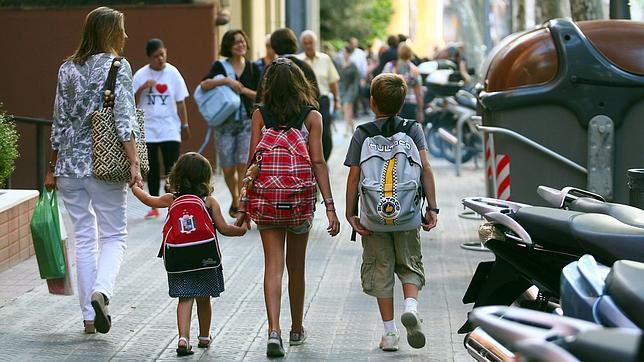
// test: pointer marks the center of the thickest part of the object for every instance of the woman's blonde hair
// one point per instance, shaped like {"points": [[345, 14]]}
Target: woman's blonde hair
{"points": [[404, 51], [103, 31]]}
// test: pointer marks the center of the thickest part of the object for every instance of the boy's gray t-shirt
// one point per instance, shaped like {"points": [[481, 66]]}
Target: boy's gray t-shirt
{"points": [[353, 155]]}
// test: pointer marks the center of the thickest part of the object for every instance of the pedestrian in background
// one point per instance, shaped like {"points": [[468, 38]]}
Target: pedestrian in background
{"points": [[233, 136], [288, 101], [284, 43], [413, 106], [327, 79], [97, 208], [161, 93], [387, 54], [191, 176], [268, 58], [349, 88]]}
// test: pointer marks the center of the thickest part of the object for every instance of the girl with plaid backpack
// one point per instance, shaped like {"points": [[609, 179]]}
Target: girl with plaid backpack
{"points": [[285, 163], [190, 182]]}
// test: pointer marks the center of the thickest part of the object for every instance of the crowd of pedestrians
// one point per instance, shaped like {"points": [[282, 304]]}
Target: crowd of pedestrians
{"points": [[283, 123]]}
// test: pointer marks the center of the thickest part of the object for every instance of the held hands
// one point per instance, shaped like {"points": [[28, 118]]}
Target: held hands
{"points": [[242, 219], [136, 178], [429, 221]]}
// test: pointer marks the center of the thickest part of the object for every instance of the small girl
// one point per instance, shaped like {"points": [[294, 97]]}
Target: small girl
{"points": [[191, 175]]}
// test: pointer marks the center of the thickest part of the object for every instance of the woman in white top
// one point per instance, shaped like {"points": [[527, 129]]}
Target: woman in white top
{"points": [[97, 208], [161, 93]]}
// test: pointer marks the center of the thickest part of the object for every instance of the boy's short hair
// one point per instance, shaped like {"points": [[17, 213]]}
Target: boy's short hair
{"points": [[388, 91]]}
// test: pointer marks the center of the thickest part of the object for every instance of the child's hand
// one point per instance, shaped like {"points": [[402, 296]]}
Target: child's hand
{"points": [[242, 219], [334, 224], [430, 220], [357, 226]]}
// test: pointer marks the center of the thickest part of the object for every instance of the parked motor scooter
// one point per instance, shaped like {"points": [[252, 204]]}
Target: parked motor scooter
{"points": [[533, 244], [449, 104], [611, 297], [513, 334]]}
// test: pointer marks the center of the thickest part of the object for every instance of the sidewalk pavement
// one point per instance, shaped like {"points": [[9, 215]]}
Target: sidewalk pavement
{"points": [[343, 322]]}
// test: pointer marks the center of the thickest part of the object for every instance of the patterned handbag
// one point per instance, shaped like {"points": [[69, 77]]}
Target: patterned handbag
{"points": [[109, 160]]}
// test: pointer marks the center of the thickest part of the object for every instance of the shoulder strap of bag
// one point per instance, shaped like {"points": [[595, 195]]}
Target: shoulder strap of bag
{"points": [[228, 68], [110, 84]]}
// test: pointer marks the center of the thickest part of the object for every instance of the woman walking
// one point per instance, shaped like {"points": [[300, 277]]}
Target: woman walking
{"points": [[413, 106], [161, 93], [97, 208], [349, 88], [233, 136], [287, 111]]}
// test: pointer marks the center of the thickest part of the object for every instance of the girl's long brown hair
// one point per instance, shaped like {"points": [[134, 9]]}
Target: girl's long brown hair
{"points": [[191, 175], [286, 91], [103, 32]]}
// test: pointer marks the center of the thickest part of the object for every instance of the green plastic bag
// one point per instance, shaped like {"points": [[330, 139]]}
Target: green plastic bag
{"points": [[45, 232]]}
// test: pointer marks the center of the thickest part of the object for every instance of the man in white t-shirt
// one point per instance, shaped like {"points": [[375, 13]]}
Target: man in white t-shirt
{"points": [[161, 93], [327, 77]]}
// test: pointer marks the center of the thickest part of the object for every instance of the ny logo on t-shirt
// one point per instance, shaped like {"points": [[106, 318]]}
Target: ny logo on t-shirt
{"points": [[161, 88]]}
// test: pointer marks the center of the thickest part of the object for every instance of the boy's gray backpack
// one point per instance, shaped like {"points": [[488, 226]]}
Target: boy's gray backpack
{"points": [[390, 186]]}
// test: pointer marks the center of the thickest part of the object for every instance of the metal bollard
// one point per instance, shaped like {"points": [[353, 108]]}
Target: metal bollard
{"points": [[636, 187]]}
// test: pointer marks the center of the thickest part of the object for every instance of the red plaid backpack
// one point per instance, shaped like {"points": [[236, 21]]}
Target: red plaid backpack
{"points": [[283, 192], [189, 237]]}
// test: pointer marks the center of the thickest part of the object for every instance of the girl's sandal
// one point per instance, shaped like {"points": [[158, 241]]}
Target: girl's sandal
{"points": [[184, 350], [204, 342]]}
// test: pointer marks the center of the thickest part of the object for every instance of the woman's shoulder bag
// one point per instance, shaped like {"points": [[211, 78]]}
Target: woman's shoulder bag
{"points": [[109, 160]]}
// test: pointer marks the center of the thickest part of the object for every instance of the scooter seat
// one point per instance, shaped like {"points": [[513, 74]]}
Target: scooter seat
{"points": [[602, 236], [548, 227], [627, 214], [465, 99], [607, 238], [624, 285]]}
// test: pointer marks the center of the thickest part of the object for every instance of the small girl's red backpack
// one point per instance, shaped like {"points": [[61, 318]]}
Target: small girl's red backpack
{"points": [[189, 237]]}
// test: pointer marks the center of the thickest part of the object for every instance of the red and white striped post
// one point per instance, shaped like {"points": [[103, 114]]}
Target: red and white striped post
{"points": [[503, 177]]}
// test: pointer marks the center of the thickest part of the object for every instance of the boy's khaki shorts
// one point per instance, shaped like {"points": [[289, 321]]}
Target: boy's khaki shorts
{"points": [[386, 253]]}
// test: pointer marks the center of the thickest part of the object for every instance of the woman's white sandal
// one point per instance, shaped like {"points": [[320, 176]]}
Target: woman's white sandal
{"points": [[204, 342], [184, 350]]}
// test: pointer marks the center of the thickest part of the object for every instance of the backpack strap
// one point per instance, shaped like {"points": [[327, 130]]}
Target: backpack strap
{"points": [[389, 128]]}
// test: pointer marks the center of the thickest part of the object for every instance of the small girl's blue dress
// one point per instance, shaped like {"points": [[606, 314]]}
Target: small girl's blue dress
{"points": [[200, 283]]}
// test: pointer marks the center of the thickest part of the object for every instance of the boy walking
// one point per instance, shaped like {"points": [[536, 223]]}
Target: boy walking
{"points": [[390, 170]]}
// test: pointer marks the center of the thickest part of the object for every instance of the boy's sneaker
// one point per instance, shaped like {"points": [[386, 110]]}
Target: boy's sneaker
{"points": [[152, 214], [389, 342], [415, 335], [274, 347], [297, 338]]}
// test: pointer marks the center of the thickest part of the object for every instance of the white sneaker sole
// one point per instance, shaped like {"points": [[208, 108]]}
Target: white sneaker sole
{"points": [[415, 335]]}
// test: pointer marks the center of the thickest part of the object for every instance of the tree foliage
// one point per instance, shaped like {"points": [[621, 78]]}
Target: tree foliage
{"points": [[586, 10], [8, 146], [365, 19]]}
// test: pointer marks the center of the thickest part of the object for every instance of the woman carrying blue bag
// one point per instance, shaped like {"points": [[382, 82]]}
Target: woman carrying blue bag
{"points": [[233, 135]]}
